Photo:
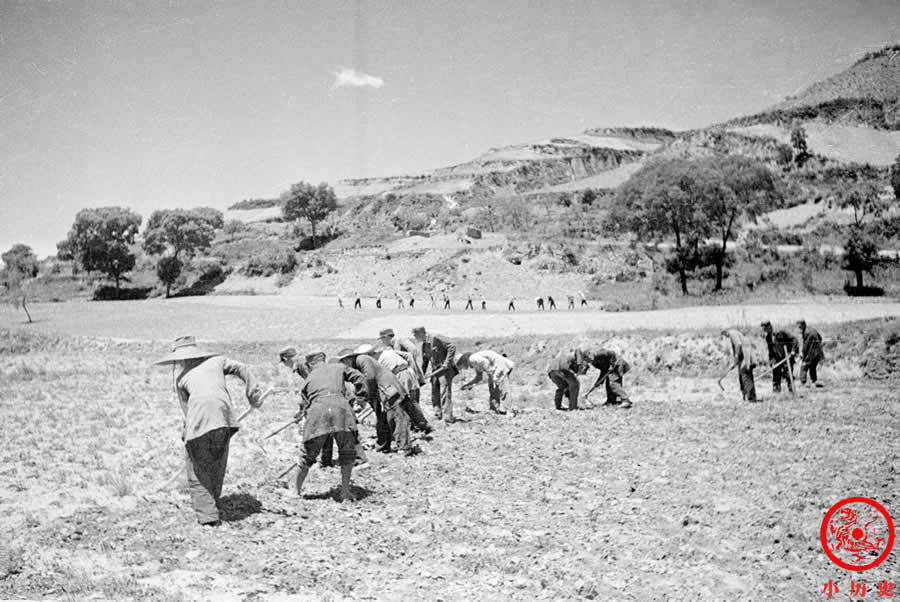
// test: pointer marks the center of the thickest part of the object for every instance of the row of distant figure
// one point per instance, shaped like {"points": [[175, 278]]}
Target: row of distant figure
{"points": [[540, 302]]}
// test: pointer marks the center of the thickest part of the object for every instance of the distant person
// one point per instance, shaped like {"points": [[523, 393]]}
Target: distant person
{"points": [[563, 372], [496, 366], [571, 299], [583, 300], [446, 301], [412, 302], [469, 304], [540, 303], [438, 352], [612, 369], [357, 303], [551, 302], [433, 303], [742, 359], [209, 423], [811, 355], [512, 304], [378, 302], [399, 301], [340, 303], [483, 303], [329, 414], [783, 348]]}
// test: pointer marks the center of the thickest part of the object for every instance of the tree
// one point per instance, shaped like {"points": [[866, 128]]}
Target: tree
{"points": [[100, 241], [656, 202], [21, 265], [798, 141], [860, 254], [895, 177], [733, 189], [863, 197], [181, 231], [305, 201], [168, 269], [588, 197]]}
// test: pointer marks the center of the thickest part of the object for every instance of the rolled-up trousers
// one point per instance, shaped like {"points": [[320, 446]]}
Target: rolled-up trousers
{"points": [[207, 458], [566, 385]]}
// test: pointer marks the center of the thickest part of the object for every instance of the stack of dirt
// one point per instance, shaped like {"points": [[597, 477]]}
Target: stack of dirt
{"points": [[881, 361]]}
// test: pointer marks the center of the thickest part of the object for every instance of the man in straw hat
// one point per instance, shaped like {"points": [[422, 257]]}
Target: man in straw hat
{"points": [[438, 352], [496, 366], [329, 414], [384, 394], [400, 364], [208, 420]]}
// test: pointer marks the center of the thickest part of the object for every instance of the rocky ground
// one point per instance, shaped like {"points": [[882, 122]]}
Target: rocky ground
{"points": [[692, 494]]}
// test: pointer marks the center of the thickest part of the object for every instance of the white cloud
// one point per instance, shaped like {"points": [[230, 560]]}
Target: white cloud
{"points": [[351, 77]]}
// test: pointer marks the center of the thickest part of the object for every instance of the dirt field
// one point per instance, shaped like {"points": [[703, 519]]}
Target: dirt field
{"points": [[692, 494]]}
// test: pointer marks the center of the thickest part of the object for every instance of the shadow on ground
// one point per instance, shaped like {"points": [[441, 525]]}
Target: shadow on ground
{"points": [[238, 506], [358, 493]]}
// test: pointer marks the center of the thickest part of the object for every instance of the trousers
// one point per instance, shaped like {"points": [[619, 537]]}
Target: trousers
{"points": [[811, 368], [442, 396], [567, 385], [207, 458], [748, 386]]}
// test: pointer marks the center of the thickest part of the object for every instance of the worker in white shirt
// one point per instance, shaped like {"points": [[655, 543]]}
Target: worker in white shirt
{"points": [[496, 366]]}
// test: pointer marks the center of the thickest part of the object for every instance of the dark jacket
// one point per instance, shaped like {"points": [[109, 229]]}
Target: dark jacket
{"points": [[812, 346], [322, 399], [777, 341], [439, 352], [565, 361]]}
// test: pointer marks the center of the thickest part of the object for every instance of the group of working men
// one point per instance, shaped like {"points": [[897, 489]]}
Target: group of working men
{"points": [[783, 349], [384, 379], [470, 304]]}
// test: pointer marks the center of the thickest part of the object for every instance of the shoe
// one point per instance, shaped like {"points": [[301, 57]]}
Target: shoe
{"points": [[819, 386], [412, 451], [626, 404], [499, 411], [212, 523]]}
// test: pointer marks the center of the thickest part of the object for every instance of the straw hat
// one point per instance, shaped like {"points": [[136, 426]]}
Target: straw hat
{"points": [[364, 349], [346, 353], [185, 348]]}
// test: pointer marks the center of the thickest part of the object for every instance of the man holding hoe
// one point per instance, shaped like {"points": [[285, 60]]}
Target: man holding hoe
{"points": [[209, 422]]}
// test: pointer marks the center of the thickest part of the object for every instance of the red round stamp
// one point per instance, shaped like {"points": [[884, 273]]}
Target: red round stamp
{"points": [[857, 533]]}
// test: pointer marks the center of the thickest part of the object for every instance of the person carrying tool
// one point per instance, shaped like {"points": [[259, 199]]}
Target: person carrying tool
{"points": [[781, 345], [438, 352], [384, 394], [328, 413], [209, 423], [743, 360], [401, 365], [563, 371], [497, 367], [812, 353], [612, 369]]}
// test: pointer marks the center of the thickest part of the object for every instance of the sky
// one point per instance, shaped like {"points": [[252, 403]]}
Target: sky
{"points": [[156, 104]]}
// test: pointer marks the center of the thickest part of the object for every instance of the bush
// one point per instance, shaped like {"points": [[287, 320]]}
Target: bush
{"points": [[271, 262], [864, 291], [234, 226], [111, 293]]}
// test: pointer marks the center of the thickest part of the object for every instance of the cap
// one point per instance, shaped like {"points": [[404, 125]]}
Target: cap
{"points": [[387, 332], [287, 353], [801, 323], [418, 330], [766, 324], [317, 356]]}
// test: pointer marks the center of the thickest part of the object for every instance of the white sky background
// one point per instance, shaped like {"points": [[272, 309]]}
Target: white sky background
{"points": [[179, 104]]}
